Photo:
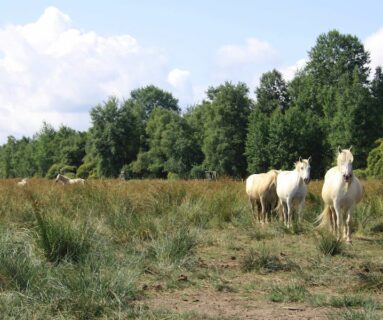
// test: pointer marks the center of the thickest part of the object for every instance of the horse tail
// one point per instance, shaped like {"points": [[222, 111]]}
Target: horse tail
{"points": [[325, 218]]}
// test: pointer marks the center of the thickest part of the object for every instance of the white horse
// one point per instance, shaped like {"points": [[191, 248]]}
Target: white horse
{"points": [[261, 189], [292, 189], [66, 180], [23, 182], [341, 192]]}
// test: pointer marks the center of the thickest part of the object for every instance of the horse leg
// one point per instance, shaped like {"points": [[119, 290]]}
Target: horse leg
{"points": [[252, 206], [285, 213], [348, 220], [289, 212], [263, 206], [253, 203], [338, 221], [332, 220], [259, 209], [300, 208]]}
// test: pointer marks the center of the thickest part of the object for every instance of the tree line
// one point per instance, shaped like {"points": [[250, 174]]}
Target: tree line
{"points": [[334, 100]]}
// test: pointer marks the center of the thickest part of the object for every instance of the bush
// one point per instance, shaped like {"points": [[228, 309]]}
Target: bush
{"points": [[173, 176], [197, 172], [54, 170], [87, 170]]}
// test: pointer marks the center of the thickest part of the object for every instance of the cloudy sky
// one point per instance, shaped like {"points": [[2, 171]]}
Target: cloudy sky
{"points": [[58, 59]]}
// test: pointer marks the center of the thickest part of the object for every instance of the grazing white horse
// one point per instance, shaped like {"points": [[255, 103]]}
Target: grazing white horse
{"points": [[292, 189], [66, 180], [341, 192], [262, 191], [23, 182]]}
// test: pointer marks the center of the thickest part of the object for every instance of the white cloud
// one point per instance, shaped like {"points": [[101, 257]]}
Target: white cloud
{"points": [[290, 71], [178, 78], [51, 71], [374, 44], [253, 51]]}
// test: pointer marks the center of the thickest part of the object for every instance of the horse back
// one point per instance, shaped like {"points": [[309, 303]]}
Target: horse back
{"points": [[261, 183]]}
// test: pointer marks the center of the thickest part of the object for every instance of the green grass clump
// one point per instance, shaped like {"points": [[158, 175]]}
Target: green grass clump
{"points": [[263, 261], [61, 240], [290, 293], [173, 248], [19, 269], [368, 313], [329, 245]]}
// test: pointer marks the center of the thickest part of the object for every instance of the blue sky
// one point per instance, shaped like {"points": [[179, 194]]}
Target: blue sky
{"points": [[60, 58]]}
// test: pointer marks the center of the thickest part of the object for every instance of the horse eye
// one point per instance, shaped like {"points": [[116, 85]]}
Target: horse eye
{"points": [[301, 168]]}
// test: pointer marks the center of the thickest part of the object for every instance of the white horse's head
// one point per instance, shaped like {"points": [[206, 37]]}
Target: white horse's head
{"points": [[344, 162], [303, 168], [58, 178]]}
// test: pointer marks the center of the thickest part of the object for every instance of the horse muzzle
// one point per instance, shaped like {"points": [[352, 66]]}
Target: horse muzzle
{"points": [[306, 180], [347, 177]]}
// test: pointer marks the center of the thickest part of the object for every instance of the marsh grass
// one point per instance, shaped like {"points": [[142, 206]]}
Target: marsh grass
{"points": [[19, 268], [70, 252], [329, 245], [174, 248], [61, 239]]}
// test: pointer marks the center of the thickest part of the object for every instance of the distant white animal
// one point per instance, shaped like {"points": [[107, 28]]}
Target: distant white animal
{"points": [[261, 189], [23, 182], [292, 189], [65, 180], [341, 192]]}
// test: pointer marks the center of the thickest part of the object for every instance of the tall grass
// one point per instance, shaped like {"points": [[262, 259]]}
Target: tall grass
{"points": [[75, 252]]}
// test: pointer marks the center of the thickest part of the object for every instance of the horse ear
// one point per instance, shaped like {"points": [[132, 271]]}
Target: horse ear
{"points": [[350, 148], [300, 159], [339, 149], [309, 159]]}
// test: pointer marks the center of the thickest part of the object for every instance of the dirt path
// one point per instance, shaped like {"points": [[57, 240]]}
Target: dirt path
{"points": [[232, 306]]}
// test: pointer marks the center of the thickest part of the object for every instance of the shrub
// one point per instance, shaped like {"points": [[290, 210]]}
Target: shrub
{"points": [[54, 170], [87, 170]]}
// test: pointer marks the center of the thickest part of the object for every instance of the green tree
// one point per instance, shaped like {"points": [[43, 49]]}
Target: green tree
{"points": [[45, 149], [172, 146], [228, 108], [147, 98], [335, 55], [272, 95], [114, 137], [70, 146], [375, 160], [272, 92], [297, 133], [377, 96], [257, 142], [354, 121]]}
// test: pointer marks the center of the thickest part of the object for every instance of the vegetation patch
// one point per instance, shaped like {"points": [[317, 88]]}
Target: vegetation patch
{"points": [[329, 245], [290, 293]]}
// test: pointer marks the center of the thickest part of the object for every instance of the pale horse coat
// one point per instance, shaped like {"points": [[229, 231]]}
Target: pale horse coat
{"points": [[261, 189], [340, 193], [23, 182], [292, 189], [65, 180]]}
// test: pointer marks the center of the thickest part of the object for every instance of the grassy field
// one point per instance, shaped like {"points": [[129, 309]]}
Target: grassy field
{"points": [[180, 250]]}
